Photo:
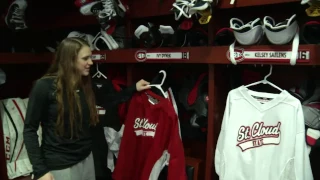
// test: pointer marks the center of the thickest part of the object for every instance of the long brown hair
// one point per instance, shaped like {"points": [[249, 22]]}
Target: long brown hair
{"points": [[68, 80]]}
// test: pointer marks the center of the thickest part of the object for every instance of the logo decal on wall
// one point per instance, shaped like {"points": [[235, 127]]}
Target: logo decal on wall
{"points": [[238, 54]]}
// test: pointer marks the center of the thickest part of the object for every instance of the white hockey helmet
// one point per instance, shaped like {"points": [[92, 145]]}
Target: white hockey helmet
{"points": [[246, 34], [282, 33]]}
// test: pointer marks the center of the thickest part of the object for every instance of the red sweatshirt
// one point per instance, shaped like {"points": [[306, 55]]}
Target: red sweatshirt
{"points": [[150, 141]]}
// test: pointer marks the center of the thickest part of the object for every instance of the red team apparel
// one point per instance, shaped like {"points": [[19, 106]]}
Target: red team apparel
{"points": [[150, 141], [262, 137]]}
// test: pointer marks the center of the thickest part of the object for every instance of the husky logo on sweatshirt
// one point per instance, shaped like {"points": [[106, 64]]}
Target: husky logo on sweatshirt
{"points": [[144, 128], [258, 135]]}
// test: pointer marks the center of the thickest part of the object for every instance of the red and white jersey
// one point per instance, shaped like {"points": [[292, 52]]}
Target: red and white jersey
{"points": [[113, 137], [150, 140], [262, 137]]}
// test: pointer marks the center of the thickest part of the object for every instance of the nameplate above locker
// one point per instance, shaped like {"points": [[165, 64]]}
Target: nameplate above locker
{"points": [[98, 57], [261, 55], [143, 55]]}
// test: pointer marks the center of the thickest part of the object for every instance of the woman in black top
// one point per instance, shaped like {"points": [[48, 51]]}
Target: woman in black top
{"points": [[62, 101]]}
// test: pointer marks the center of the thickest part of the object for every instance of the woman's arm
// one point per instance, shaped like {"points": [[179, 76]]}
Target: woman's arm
{"points": [[38, 102], [109, 98]]}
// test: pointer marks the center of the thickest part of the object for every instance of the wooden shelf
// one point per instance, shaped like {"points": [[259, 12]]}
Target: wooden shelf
{"points": [[150, 8], [40, 15], [74, 19], [25, 58], [201, 55], [246, 3]]}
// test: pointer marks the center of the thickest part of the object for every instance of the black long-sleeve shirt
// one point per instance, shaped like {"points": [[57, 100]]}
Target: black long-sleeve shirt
{"points": [[58, 152]]}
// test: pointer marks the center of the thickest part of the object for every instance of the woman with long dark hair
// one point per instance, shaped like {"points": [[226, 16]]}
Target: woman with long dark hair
{"points": [[63, 102]]}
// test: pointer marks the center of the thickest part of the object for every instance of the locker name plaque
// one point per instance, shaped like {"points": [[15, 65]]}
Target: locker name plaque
{"points": [[98, 57], [143, 55], [241, 54]]}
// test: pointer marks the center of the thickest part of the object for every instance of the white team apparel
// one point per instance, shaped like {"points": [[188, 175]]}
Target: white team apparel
{"points": [[262, 137], [113, 139]]}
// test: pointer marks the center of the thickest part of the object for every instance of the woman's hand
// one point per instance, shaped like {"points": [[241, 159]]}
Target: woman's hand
{"points": [[47, 176], [142, 85]]}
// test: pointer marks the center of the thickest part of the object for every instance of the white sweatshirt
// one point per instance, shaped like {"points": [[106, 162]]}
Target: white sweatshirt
{"points": [[262, 138]]}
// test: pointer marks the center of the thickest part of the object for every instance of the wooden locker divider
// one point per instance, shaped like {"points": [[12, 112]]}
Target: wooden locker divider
{"points": [[211, 124], [130, 68]]}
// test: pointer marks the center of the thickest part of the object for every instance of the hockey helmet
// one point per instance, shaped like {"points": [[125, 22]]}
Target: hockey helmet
{"points": [[246, 34], [194, 94], [148, 35], [197, 37], [224, 37], [283, 33], [310, 32]]}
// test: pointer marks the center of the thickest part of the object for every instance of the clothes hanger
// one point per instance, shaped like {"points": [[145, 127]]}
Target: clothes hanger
{"points": [[98, 74], [158, 86], [265, 81], [156, 80]]}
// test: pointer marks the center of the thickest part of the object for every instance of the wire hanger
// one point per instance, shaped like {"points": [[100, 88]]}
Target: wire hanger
{"points": [[98, 74], [265, 81], [159, 85]]}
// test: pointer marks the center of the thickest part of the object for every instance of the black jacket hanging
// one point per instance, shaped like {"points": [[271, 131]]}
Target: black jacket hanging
{"points": [[108, 99]]}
